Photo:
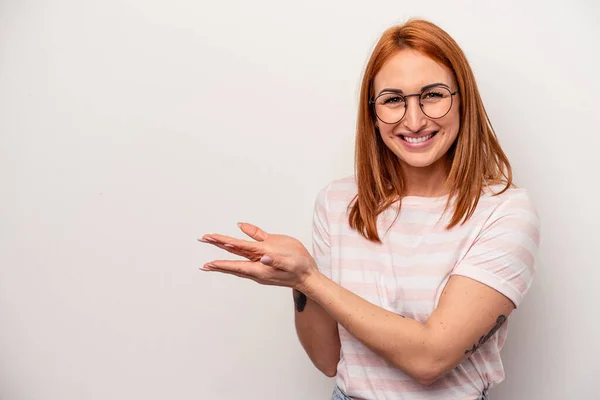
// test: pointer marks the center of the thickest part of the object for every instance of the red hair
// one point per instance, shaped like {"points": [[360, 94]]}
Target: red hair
{"points": [[476, 158]]}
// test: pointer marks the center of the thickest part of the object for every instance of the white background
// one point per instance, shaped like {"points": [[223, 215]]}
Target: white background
{"points": [[130, 128]]}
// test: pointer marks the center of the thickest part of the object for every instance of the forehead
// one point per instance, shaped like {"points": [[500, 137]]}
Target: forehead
{"points": [[409, 71]]}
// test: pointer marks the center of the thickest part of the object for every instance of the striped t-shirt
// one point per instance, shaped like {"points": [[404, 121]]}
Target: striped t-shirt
{"points": [[408, 271]]}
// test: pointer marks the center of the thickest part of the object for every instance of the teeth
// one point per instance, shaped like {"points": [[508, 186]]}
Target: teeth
{"points": [[417, 140]]}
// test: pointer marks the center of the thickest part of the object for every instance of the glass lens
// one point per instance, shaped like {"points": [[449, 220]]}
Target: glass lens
{"points": [[436, 102], [390, 107]]}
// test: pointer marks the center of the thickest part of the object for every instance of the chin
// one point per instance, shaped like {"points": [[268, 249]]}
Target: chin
{"points": [[417, 162]]}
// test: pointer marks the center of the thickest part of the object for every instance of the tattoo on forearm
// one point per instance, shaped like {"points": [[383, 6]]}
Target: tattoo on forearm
{"points": [[299, 300], [501, 319]]}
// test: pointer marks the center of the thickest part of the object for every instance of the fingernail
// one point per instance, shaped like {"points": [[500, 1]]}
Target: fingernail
{"points": [[266, 260], [239, 224], [209, 239]]}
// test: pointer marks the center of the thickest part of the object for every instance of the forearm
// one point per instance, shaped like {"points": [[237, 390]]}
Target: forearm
{"points": [[318, 333], [403, 342]]}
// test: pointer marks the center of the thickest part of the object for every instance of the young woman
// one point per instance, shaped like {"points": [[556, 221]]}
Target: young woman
{"points": [[420, 257]]}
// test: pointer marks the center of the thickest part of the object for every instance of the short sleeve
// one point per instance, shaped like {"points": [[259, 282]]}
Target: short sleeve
{"points": [[320, 234], [504, 254]]}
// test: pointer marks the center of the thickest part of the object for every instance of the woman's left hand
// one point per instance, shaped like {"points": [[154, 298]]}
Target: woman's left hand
{"points": [[272, 259]]}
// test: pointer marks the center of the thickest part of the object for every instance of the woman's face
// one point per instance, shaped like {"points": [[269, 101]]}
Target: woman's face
{"points": [[418, 140]]}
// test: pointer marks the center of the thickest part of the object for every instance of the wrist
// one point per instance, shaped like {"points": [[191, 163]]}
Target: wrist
{"points": [[309, 286]]}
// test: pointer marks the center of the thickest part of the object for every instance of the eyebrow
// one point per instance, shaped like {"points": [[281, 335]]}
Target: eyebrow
{"points": [[431, 85]]}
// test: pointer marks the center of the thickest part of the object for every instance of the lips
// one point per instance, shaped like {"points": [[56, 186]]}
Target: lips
{"points": [[419, 138]]}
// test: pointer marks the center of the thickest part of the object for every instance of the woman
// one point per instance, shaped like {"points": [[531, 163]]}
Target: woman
{"points": [[421, 256]]}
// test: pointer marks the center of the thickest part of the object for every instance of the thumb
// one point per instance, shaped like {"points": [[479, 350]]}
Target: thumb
{"points": [[267, 260], [253, 231], [277, 261]]}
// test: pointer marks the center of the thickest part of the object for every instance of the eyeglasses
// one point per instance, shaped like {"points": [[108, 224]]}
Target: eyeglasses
{"points": [[390, 106]]}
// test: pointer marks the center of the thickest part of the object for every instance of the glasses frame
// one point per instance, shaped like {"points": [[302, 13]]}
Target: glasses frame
{"points": [[406, 96]]}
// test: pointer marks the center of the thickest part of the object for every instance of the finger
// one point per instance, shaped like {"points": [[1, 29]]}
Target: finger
{"points": [[248, 268], [259, 281], [240, 275], [253, 231], [252, 278], [245, 245], [278, 261], [233, 250]]}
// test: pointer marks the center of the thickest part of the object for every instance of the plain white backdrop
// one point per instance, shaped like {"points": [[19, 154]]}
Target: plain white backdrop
{"points": [[130, 128]]}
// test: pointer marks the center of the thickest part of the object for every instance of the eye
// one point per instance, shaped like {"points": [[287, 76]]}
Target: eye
{"points": [[432, 95], [391, 100]]}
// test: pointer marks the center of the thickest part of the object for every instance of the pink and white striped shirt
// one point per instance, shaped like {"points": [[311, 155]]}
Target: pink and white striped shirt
{"points": [[408, 271]]}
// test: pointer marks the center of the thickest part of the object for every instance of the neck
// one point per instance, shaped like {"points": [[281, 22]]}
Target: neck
{"points": [[427, 181]]}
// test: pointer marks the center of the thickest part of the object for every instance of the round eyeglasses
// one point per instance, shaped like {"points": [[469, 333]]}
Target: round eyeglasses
{"points": [[390, 106]]}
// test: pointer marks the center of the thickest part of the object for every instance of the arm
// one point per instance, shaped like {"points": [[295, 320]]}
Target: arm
{"points": [[484, 288], [316, 329], [468, 312], [486, 285], [318, 334]]}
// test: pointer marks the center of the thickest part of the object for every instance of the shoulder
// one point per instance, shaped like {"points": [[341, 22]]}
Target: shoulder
{"points": [[513, 208], [511, 200], [347, 183], [338, 190]]}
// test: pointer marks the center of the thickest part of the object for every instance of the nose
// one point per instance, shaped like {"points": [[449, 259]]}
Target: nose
{"points": [[414, 118]]}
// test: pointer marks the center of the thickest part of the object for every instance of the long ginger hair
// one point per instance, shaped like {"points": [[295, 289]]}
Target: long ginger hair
{"points": [[476, 158]]}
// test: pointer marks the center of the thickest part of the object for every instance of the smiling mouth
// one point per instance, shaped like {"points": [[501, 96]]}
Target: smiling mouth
{"points": [[419, 139]]}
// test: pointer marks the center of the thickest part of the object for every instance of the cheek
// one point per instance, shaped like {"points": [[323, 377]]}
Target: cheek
{"points": [[384, 130], [451, 125]]}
